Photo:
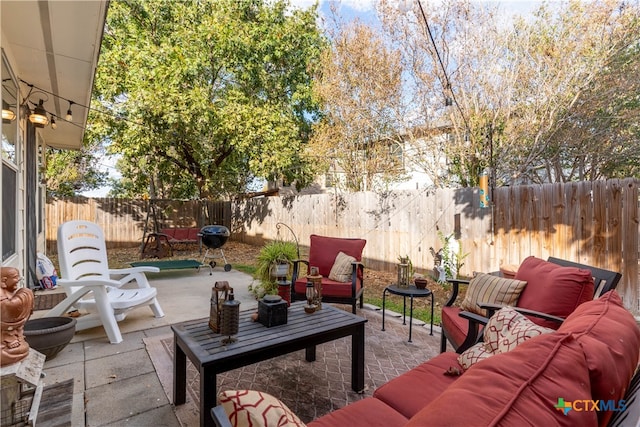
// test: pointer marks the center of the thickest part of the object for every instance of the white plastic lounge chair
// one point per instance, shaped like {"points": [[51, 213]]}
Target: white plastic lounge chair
{"points": [[90, 285]]}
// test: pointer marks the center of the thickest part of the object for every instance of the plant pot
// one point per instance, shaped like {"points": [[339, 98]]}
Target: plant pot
{"points": [[49, 335], [280, 270], [421, 283]]}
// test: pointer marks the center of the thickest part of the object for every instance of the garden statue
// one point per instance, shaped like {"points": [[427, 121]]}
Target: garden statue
{"points": [[16, 306], [442, 274]]}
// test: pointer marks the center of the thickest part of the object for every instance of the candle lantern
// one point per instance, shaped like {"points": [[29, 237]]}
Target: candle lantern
{"points": [[310, 294], [230, 319], [403, 273], [316, 280], [219, 294]]}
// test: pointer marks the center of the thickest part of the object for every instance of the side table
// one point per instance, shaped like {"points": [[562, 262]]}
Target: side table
{"points": [[411, 292]]}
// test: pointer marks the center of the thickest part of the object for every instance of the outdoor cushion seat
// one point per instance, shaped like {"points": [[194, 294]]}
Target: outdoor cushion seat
{"points": [[511, 389], [394, 393], [554, 289], [609, 337], [182, 234], [577, 375], [369, 411], [324, 253]]}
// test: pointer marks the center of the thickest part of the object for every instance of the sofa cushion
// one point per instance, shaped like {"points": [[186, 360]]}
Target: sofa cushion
{"points": [[342, 268], [456, 326], [553, 289], [323, 251], [526, 386], [248, 408], [491, 289], [504, 331], [413, 390], [610, 338], [368, 412]]}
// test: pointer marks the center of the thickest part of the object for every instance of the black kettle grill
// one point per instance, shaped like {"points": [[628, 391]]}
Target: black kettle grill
{"points": [[214, 237]]}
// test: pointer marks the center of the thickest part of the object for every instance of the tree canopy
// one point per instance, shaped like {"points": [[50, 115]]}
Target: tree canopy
{"points": [[551, 98], [360, 88], [205, 96]]}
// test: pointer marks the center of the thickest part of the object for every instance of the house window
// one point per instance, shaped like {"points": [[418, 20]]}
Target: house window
{"points": [[329, 180], [396, 154], [9, 164], [9, 210]]}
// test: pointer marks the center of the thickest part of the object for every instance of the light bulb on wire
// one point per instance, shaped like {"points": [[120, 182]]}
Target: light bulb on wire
{"points": [[69, 116]]}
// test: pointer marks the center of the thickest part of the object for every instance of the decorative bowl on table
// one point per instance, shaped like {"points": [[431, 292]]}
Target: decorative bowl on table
{"points": [[421, 282], [49, 335]]}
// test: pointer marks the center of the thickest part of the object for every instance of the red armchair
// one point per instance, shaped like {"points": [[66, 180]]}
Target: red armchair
{"points": [[554, 289], [322, 254]]}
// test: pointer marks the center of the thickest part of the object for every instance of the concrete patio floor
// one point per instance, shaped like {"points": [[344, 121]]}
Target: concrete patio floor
{"points": [[116, 384]]}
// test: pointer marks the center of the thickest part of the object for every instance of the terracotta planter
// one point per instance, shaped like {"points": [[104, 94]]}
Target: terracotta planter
{"points": [[421, 283], [49, 335]]}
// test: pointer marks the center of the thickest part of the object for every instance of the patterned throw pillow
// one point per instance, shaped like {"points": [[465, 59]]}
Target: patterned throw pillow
{"points": [[491, 289], [507, 329], [504, 331], [473, 355], [342, 268], [250, 408]]}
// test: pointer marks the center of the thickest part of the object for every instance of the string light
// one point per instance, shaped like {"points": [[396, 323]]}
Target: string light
{"points": [[8, 115], [39, 115], [69, 116]]}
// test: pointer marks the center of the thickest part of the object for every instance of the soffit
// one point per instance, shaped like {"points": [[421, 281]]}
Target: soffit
{"points": [[55, 46]]}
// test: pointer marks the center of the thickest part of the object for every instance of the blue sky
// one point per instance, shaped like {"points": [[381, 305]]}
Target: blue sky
{"points": [[365, 9]]}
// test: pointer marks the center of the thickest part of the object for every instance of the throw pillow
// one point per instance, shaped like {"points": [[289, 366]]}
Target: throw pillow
{"points": [[491, 289], [504, 331], [507, 329], [342, 268], [474, 354], [250, 408]]}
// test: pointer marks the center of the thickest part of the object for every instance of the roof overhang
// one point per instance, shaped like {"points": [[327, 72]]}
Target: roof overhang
{"points": [[54, 46]]}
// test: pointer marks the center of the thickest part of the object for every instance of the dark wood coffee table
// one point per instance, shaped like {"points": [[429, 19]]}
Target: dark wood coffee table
{"points": [[256, 343]]}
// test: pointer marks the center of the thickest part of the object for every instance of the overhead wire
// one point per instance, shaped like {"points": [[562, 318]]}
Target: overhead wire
{"points": [[447, 81]]}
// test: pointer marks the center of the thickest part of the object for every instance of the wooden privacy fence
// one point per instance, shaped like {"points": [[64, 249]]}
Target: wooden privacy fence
{"points": [[595, 223], [125, 222]]}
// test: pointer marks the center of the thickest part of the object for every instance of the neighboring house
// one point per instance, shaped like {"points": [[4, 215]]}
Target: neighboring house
{"points": [[419, 158], [50, 52]]}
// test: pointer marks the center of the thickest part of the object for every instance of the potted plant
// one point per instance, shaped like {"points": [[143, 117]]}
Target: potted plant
{"points": [[274, 260]]}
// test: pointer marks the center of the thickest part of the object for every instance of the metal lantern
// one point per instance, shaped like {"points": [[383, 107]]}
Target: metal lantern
{"points": [[316, 280], [219, 294], [403, 273], [310, 293], [230, 319]]}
